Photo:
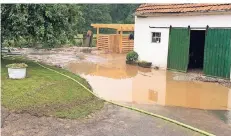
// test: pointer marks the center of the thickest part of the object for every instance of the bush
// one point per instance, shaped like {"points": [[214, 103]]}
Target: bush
{"points": [[17, 65], [145, 64], [132, 56]]}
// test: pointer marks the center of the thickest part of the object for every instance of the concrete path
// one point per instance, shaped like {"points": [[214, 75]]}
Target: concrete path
{"points": [[201, 119], [111, 121]]}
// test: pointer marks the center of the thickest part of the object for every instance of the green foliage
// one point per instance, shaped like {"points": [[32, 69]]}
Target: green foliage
{"points": [[123, 13], [132, 56], [53, 25], [106, 13], [17, 65], [94, 13], [46, 24]]}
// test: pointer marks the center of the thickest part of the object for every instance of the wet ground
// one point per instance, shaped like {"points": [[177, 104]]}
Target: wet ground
{"points": [[114, 80], [201, 104], [62, 56], [110, 121]]}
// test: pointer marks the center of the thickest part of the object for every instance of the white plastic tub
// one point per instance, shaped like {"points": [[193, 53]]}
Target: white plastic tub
{"points": [[17, 73]]}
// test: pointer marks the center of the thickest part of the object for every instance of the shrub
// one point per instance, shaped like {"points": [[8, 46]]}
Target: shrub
{"points": [[17, 65], [144, 64], [132, 56]]}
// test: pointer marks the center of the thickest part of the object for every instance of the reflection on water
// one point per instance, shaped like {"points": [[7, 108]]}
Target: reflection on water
{"points": [[114, 80]]}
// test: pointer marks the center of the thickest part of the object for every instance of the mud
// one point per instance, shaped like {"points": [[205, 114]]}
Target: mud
{"points": [[114, 80], [204, 105], [128, 83], [194, 76], [60, 57], [176, 95]]}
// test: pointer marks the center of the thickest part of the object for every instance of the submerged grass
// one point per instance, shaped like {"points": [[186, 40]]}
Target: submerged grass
{"points": [[46, 93]]}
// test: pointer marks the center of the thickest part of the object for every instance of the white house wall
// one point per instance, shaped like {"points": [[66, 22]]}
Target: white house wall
{"points": [[157, 52]]}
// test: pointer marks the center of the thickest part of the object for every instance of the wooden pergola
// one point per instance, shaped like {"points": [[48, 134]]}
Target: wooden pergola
{"points": [[120, 28]]}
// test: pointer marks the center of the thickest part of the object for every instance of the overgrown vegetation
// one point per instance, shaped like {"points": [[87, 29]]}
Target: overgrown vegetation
{"points": [[53, 25], [46, 24], [47, 93]]}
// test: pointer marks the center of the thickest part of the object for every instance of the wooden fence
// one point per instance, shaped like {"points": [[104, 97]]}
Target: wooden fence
{"points": [[111, 43], [103, 42], [127, 45]]}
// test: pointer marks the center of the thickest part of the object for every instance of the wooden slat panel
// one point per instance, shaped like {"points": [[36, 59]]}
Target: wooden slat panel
{"points": [[127, 45], [103, 42], [111, 43]]}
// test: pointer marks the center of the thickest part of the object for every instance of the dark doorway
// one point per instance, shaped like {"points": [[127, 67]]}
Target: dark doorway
{"points": [[196, 49]]}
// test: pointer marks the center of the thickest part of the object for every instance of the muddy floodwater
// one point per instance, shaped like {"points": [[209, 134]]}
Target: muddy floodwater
{"points": [[179, 96], [114, 80]]}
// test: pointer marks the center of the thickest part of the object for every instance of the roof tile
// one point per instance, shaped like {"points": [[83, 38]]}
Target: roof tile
{"points": [[181, 8]]}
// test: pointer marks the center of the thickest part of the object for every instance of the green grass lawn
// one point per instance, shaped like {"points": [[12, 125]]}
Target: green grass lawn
{"points": [[46, 93]]}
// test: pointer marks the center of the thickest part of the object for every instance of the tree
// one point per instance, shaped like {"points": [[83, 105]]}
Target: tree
{"points": [[107, 13], [47, 24], [56, 24], [95, 13], [123, 13]]}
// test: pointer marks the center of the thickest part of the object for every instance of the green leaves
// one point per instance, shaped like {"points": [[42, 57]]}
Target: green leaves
{"points": [[52, 25], [106, 13], [132, 56], [46, 24]]}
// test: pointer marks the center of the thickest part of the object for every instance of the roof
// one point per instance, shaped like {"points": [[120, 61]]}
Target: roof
{"points": [[119, 27], [147, 9]]}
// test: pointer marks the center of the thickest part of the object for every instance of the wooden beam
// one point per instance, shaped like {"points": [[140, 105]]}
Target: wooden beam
{"points": [[124, 27], [97, 36], [121, 39]]}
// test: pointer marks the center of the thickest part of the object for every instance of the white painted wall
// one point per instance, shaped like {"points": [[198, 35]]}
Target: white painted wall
{"points": [[157, 52]]}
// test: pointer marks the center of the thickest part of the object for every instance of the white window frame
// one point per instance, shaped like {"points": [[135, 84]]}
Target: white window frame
{"points": [[156, 36]]}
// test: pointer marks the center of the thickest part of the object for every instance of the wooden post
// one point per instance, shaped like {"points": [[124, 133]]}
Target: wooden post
{"points": [[97, 36], [121, 39]]}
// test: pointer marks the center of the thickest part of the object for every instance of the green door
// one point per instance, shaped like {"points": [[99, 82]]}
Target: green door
{"points": [[217, 56], [178, 51]]}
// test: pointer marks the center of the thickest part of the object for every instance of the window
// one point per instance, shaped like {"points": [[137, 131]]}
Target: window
{"points": [[156, 37]]}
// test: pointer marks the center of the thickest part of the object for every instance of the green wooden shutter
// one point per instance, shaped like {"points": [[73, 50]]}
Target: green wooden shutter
{"points": [[178, 52], [217, 57]]}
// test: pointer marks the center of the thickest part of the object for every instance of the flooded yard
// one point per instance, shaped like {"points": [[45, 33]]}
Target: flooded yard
{"points": [[114, 80], [204, 105]]}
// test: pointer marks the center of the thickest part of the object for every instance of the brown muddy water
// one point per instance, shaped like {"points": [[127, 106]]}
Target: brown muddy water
{"points": [[116, 81]]}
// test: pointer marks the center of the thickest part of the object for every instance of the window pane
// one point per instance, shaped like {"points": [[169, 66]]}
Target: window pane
{"points": [[158, 40], [156, 37], [153, 34], [153, 39], [159, 34]]}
